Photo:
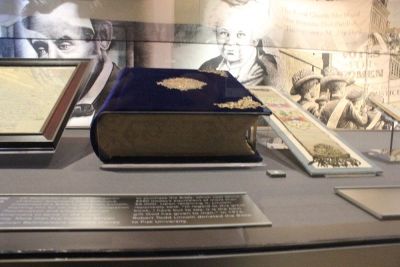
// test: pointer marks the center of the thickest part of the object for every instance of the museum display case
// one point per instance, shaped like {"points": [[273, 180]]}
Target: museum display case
{"points": [[159, 117]]}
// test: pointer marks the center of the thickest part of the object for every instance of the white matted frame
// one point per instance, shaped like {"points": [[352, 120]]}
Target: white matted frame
{"points": [[300, 152]]}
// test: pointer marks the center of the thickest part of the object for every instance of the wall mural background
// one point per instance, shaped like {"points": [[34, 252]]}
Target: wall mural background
{"points": [[328, 55]]}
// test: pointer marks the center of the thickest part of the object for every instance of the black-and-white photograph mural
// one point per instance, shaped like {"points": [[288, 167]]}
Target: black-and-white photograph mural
{"points": [[375, 72], [56, 29], [241, 50], [335, 25], [220, 42], [335, 86], [330, 56]]}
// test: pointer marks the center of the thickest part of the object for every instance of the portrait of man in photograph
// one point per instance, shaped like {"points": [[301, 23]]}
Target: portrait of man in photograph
{"points": [[241, 47], [56, 29]]}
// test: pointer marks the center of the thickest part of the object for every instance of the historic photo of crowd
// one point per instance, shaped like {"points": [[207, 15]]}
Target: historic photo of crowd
{"points": [[334, 86], [347, 79]]}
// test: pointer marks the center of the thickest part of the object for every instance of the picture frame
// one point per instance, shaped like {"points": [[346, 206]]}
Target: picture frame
{"points": [[37, 99], [293, 142]]}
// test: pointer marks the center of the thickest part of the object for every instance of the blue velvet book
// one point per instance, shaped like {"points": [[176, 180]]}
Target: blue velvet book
{"points": [[176, 115]]}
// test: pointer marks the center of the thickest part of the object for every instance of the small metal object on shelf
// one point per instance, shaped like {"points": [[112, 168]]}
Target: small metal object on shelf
{"points": [[276, 173]]}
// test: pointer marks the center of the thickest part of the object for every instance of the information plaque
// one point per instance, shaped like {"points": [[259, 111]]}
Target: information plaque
{"points": [[113, 212], [379, 201]]}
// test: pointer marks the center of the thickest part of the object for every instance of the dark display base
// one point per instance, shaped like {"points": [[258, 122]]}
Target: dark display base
{"points": [[311, 224]]}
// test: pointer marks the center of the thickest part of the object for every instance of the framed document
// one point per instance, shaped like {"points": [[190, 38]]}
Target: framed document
{"points": [[320, 151], [36, 99]]}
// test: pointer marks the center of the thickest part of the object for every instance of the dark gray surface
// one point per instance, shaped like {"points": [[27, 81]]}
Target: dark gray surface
{"points": [[304, 210]]}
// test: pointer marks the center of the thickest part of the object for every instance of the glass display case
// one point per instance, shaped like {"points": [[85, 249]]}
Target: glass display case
{"points": [[322, 62]]}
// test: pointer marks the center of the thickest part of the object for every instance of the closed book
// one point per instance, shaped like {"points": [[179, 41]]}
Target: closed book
{"points": [[176, 115]]}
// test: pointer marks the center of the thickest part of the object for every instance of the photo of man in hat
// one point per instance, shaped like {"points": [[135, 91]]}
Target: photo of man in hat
{"points": [[304, 83], [321, 101], [355, 96], [340, 111]]}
